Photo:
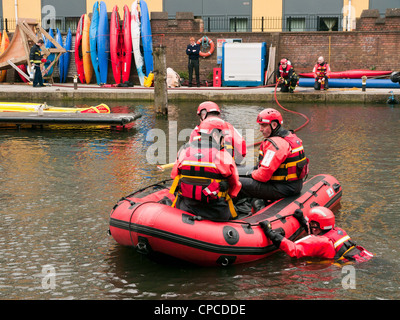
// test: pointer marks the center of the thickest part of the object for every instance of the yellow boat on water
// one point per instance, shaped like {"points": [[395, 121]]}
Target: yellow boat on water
{"points": [[38, 107]]}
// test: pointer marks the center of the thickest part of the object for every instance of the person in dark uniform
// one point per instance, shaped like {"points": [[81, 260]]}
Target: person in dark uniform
{"points": [[36, 58], [193, 51]]}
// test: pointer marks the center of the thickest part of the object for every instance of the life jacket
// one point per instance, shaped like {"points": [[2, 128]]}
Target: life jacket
{"points": [[341, 241], [346, 249], [295, 166], [200, 179], [284, 73], [321, 70]]}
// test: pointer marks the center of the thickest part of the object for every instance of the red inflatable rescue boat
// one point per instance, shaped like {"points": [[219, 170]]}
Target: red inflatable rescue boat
{"points": [[141, 220]]}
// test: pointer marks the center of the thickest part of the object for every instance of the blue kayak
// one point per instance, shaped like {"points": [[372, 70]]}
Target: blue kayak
{"points": [[103, 42], [147, 39], [67, 55], [61, 59], [93, 40]]}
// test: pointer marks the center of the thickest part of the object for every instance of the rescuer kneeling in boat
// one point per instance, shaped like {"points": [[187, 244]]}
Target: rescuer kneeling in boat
{"points": [[205, 176], [233, 141], [287, 77], [325, 241], [282, 163]]}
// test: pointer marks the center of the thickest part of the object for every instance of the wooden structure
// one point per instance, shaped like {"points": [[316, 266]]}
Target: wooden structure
{"points": [[27, 33]]}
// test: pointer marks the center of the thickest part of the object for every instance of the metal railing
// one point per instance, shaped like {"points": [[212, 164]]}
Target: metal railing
{"points": [[222, 23], [272, 24], [62, 23]]}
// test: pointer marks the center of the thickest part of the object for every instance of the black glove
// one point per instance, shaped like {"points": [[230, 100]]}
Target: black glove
{"points": [[298, 214], [223, 186], [275, 237]]}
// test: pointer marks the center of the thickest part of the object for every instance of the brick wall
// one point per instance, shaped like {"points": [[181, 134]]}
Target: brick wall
{"points": [[372, 46]]}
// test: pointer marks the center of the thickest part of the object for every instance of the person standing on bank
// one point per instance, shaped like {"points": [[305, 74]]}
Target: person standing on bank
{"points": [[193, 51], [36, 58]]}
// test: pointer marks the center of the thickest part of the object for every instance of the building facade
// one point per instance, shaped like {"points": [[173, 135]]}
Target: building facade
{"points": [[218, 15]]}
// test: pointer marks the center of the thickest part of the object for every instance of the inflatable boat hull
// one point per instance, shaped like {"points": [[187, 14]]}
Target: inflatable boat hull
{"points": [[152, 227]]}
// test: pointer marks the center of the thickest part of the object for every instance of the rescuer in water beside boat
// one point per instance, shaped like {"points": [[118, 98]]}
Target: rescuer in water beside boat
{"points": [[205, 175], [324, 241], [282, 163], [287, 77], [233, 141], [321, 74]]}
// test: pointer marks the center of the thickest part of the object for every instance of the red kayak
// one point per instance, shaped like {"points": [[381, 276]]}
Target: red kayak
{"points": [[142, 220], [351, 74], [120, 45], [78, 50]]}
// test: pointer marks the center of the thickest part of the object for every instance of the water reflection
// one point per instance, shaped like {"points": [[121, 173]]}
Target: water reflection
{"points": [[58, 187]]}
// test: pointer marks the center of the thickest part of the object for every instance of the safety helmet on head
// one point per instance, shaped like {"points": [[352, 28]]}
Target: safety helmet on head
{"points": [[268, 115], [284, 61], [209, 125], [209, 106], [323, 216]]}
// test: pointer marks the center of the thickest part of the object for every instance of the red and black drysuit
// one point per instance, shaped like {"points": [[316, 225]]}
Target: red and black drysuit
{"points": [[288, 78], [205, 180], [321, 72], [334, 244], [280, 171]]}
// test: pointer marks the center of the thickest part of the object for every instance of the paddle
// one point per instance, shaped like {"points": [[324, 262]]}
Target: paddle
{"points": [[162, 167]]}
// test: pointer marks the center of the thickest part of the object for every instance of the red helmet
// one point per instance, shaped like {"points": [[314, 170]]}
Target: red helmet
{"points": [[323, 216], [209, 106], [284, 61], [208, 125], [268, 115]]}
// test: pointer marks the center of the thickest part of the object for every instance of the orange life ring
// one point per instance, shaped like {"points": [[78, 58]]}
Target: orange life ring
{"points": [[209, 43]]}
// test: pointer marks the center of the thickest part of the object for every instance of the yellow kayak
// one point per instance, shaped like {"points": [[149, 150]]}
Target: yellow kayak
{"points": [[35, 107]]}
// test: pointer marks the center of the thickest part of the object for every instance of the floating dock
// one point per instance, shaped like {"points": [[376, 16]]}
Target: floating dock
{"points": [[35, 119]]}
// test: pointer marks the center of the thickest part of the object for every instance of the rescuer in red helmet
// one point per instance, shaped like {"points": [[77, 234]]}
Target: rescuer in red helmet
{"points": [[325, 241], [205, 176], [209, 111], [282, 162], [287, 77]]}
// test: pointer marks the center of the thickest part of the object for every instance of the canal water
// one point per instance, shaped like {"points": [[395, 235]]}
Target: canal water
{"points": [[57, 188]]}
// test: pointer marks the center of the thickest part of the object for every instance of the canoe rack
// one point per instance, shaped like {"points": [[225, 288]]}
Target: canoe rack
{"points": [[27, 33]]}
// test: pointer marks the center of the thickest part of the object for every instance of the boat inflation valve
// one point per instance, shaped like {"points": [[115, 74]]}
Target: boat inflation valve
{"points": [[231, 235]]}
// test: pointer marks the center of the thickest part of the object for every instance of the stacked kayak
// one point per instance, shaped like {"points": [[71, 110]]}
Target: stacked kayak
{"points": [[146, 221], [34, 107], [121, 45]]}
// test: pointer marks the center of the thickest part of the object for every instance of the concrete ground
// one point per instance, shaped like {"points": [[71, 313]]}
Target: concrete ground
{"points": [[66, 92]]}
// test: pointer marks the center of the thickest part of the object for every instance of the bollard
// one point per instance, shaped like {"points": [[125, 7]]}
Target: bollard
{"points": [[364, 83], [76, 82]]}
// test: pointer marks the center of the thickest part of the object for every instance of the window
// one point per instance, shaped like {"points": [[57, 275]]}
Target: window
{"points": [[328, 24], [296, 24], [238, 24]]}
